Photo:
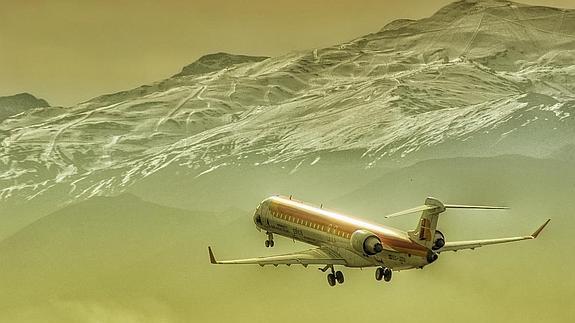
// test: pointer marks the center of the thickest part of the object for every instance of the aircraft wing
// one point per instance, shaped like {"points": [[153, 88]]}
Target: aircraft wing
{"points": [[317, 256], [472, 244]]}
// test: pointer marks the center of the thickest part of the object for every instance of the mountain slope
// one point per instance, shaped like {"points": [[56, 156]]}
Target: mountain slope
{"points": [[477, 78], [18, 103]]}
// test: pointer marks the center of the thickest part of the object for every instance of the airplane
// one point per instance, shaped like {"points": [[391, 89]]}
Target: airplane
{"points": [[343, 240]]}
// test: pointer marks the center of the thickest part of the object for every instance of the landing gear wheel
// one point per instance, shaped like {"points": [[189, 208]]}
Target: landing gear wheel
{"points": [[331, 279], [379, 273], [339, 277], [387, 274], [270, 240]]}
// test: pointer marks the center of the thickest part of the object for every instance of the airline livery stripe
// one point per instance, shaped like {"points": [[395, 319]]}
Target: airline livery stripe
{"points": [[341, 225]]}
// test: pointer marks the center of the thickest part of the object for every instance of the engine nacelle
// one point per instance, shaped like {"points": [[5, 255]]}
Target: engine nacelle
{"points": [[366, 242], [431, 256], [438, 240]]}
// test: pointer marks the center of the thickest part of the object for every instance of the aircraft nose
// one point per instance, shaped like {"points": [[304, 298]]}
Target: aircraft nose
{"points": [[257, 217]]}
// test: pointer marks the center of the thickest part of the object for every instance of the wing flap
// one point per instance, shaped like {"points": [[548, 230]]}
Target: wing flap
{"points": [[318, 256]]}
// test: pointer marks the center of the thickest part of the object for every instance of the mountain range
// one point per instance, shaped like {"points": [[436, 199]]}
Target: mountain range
{"points": [[477, 78]]}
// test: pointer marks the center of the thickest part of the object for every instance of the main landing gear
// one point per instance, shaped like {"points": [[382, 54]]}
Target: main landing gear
{"points": [[383, 272], [333, 277], [270, 241]]}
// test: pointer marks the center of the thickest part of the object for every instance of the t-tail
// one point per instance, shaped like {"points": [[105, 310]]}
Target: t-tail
{"points": [[426, 233]]}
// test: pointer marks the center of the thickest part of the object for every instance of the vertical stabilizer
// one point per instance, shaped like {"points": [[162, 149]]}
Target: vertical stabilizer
{"points": [[425, 231]]}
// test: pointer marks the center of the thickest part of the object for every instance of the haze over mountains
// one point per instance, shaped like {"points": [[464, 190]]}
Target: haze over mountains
{"points": [[474, 104], [118, 259]]}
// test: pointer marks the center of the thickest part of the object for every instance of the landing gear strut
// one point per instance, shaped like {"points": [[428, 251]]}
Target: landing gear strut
{"points": [[333, 277], [383, 272], [270, 241]]}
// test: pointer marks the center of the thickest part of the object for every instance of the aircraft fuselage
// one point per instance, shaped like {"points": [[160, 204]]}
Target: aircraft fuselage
{"points": [[324, 228]]}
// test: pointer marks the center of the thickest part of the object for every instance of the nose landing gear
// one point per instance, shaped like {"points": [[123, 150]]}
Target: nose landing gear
{"points": [[270, 241], [383, 272]]}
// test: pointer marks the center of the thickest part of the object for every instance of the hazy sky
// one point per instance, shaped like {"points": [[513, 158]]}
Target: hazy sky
{"points": [[70, 51]]}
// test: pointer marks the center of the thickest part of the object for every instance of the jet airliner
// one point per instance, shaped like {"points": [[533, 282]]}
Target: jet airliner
{"points": [[341, 240]]}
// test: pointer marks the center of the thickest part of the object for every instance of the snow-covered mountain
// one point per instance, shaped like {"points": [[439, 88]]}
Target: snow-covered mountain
{"points": [[477, 78]]}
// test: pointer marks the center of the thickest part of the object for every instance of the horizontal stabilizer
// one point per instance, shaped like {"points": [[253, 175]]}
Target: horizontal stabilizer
{"points": [[413, 210], [475, 207], [434, 204]]}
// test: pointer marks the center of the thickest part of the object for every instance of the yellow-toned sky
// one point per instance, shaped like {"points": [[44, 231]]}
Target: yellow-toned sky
{"points": [[70, 51]]}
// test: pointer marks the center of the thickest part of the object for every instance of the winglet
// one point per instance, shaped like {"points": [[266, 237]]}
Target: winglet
{"points": [[212, 257], [536, 233]]}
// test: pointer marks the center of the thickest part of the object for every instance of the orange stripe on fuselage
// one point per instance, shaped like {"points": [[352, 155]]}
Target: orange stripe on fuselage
{"points": [[396, 239]]}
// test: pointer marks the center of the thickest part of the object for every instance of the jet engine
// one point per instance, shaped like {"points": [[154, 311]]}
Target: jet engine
{"points": [[431, 256], [438, 240], [366, 242]]}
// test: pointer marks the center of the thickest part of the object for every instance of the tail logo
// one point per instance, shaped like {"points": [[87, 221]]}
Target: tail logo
{"points": [[425, 229]]}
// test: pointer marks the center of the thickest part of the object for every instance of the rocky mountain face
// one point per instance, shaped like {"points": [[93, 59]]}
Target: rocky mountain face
{"points": [[18, 103], [478, 78]]}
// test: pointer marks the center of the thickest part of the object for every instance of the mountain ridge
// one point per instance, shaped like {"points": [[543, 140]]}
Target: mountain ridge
{"points": [[216, 62]]}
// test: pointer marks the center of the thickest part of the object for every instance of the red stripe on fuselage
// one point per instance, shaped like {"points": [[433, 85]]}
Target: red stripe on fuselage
{"points": [[396, 239]]}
